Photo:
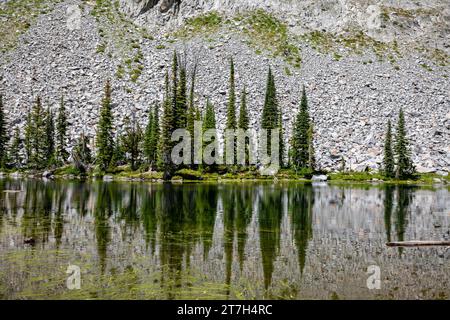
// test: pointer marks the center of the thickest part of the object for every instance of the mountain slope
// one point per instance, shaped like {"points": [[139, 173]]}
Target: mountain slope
{"points": [[357, 73]]}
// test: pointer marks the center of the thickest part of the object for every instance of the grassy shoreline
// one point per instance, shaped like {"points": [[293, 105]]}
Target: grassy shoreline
{"points": [[194, 176]]}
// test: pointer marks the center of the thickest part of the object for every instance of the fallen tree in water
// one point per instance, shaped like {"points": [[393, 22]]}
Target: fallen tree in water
{"points": [[418, 243]]}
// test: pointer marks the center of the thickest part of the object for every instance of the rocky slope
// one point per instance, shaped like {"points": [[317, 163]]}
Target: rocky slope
{"points": [[359, 62]]}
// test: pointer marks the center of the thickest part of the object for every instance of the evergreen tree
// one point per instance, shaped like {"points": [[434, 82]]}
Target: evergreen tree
{"points": [[28, 138], [209, 121], [243, 122], [81, 153], [281, 138], [155, 135], [148, 138], [167, 125], [61, 134], [131, 141], [405, 168], [38, 136], [3, 136], [300, 144], [270, 116], [181, 101], [243, 113], [105, 141], [118, 157], [49, 138], [16, 146], [192, 110], [231, 107], [175, 88], [388, 160]]}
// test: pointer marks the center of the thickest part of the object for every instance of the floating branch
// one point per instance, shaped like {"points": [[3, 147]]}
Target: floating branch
{"points": [[418, 243]]}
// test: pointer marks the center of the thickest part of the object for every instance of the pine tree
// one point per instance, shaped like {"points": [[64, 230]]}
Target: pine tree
{"points": [[244, 122], [181, 101], [38, 136], [388, 160], [191, 114], [16, 146], [175, 89], [28, 138], [3, 136], [209, 121], [243, 113], [405, 168], [131, 141], [118, 156], [300, 143], [155, 135], [270, 116], [281, 138], [105, 141], [167, 125], [49, 138], [61, 134], [231, 107], [148, 137]]}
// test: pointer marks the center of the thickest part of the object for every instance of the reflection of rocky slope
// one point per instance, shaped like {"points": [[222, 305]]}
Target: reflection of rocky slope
{"points": [[355, 80], [122, 225]]}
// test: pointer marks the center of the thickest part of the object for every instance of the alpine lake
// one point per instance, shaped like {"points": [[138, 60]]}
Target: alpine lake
{"points": [[247, 240]]}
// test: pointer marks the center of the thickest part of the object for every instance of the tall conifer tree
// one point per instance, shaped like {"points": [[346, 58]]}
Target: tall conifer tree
{"points": [[300, 144], [388, 159], [49, 138], [105, 139], [405, 167]]}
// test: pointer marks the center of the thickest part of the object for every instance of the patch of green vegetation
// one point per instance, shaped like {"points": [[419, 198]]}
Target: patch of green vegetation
{"points": [[438, 56], [160, 47], [17, 16], [120, 72], [266, 31], [287, 71], [419, 179], [67, 170], [353, 42], [426, 67], [202, 24], [101, 48], [337, 56], [321, 41], [120, 37]]}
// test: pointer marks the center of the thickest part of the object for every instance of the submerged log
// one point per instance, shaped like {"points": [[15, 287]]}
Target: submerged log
{"points": [[418, 243]]}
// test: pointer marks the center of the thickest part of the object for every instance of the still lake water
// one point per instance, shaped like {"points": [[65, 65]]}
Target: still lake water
{"points": [[136, 240]]}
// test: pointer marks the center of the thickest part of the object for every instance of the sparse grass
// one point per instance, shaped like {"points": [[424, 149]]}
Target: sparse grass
{"points": [[120, 38], [266, 31], [426, 67], [160, 47], [353, 42], [263, 30], [17, 16], [202, 24]]}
